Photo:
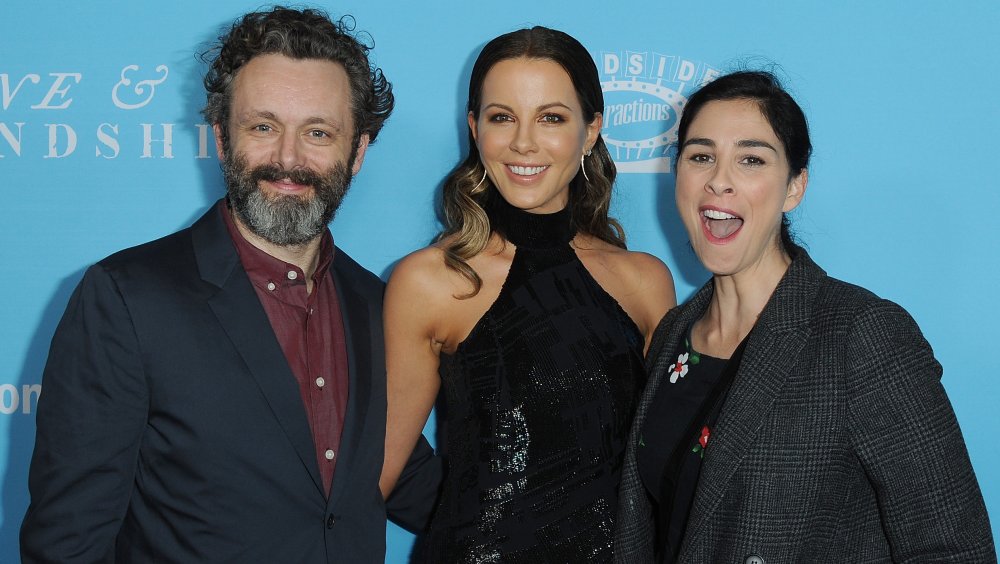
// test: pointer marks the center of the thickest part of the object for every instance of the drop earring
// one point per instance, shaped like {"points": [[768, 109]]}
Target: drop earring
{"points": [[481, 180], [583, 167]]}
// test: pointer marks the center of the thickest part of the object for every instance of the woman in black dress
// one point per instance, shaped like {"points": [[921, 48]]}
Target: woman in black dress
{"points": [[530, 314], [789, 416]]}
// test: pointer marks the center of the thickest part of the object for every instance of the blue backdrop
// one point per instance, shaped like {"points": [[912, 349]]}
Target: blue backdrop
{"points": [[102, 147]]}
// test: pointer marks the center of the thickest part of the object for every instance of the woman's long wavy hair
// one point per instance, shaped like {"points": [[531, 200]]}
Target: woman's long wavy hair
{"points": [[467, 195]]}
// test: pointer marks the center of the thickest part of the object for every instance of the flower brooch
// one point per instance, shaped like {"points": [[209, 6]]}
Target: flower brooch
{"points": [[680, 368], [702, 441]]}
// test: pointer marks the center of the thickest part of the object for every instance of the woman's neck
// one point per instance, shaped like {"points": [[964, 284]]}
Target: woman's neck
{"points": [[737, 301]]}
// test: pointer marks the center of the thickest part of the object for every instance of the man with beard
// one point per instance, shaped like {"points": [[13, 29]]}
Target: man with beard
{"points": [[218, 395]]}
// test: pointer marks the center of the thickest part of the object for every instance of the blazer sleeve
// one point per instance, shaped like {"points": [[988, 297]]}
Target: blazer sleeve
{"points": [[90, 417], [412, 502], [908, 440]]}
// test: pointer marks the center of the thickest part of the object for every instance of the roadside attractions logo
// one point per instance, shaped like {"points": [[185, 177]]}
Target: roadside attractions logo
{"points": [[52, 97], [644, 95]]}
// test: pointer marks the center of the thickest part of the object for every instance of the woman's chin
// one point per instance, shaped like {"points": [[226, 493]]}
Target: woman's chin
{"points": [[719, 259], [718, 266]]}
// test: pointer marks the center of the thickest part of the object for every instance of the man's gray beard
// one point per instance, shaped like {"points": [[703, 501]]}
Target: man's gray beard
{"points": [[284, 219]]}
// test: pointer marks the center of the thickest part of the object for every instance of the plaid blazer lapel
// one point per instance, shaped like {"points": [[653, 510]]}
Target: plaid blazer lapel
{"points": [[634, 528], [775, 342]]}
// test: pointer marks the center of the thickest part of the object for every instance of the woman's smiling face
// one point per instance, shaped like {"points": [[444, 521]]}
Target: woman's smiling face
{"points": [[531, 132], [733, 184]]}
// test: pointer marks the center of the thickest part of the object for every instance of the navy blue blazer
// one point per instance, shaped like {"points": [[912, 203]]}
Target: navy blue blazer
{"points": [[171, 429]]}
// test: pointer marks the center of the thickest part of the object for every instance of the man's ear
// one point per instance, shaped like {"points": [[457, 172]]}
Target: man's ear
{"points": [[217, 129], [359, 156], [796, 190]]}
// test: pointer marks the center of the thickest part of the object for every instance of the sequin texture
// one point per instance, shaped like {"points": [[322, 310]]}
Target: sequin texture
{"points": [[539, 399]]}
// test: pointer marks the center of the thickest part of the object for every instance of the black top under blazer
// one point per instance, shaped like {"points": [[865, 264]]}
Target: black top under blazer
{"points": [[171, 429], [836, 443]]}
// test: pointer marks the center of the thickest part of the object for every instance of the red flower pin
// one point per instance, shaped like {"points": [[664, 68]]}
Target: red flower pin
{"points": [[702, 441]]}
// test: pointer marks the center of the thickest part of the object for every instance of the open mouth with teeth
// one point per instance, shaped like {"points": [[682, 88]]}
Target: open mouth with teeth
{"points": [[526, 170], [721, 225]]}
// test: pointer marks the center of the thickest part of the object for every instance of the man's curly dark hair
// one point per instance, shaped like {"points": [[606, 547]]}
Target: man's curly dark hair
{"points": [[298, 34]]}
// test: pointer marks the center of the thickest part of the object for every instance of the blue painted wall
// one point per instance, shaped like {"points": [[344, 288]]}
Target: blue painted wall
{"points": [[903, 198]]}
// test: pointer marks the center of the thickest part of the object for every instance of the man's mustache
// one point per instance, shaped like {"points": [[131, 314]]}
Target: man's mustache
{"points": [[275, 173]]}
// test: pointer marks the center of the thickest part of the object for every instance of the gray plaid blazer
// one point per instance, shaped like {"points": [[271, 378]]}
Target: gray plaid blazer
{"points": [[836, 443]]}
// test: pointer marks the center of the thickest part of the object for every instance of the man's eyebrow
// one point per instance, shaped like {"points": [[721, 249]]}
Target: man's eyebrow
{"points": [[312, 120], [258, 114], [335, 124]]}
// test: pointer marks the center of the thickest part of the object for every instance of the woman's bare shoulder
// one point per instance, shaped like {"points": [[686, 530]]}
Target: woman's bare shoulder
{"points": [[638, 271], [648, 270], [640, 282], [423, 273], [440, 299]]}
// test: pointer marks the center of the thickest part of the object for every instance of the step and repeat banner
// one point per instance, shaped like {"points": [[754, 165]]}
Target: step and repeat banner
{"points": [[102, 147]]}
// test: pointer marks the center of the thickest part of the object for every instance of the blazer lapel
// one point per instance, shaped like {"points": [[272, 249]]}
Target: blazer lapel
{"points": [[771, 353], [358, 339], [634, 529], [664, 346], [245, 322]]}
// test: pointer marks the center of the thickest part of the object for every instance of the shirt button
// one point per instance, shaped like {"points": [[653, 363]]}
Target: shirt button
{"points": [[292, 275], [329, 454], [320, 382], [271, 286]]}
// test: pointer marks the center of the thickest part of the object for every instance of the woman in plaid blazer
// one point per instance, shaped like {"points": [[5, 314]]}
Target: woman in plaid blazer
{"points": [[789, 416]]}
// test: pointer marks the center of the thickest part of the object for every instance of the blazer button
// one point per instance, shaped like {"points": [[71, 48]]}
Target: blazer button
{"points": [[330, 522], [753, 559]]}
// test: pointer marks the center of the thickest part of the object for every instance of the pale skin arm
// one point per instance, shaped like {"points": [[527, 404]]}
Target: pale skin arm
{"points": [[640, 282], [412, 299], [655, 293]]}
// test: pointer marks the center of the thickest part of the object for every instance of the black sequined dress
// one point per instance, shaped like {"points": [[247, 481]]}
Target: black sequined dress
{"points": [[540, 397]]}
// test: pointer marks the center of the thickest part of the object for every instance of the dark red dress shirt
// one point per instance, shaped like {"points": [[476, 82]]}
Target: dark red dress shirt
{"points": [[310, 329]]}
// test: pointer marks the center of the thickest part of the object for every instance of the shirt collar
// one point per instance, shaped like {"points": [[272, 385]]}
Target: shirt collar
{"points": [[264, 269]]}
